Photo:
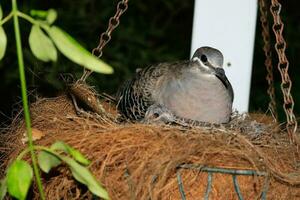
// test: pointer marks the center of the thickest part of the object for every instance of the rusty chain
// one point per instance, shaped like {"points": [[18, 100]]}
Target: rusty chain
{"points": [[106, 36], [263, 7], [283, 66]]}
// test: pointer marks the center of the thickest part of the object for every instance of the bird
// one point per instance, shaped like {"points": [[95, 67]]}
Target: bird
{"points": [[190, 90]]}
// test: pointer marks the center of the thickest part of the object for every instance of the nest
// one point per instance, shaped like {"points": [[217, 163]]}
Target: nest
{"points": [[139, 161]]}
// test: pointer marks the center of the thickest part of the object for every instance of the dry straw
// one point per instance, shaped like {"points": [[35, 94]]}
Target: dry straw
{"points": [[138, 161]]}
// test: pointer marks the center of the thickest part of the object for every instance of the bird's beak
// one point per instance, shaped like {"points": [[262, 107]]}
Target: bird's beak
{"points": [[214, 68], [219, 70]]}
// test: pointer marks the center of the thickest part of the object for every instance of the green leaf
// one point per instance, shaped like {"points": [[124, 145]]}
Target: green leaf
{"points": [[3, 42], [51, 17], [19, 177], [3, 188], [84, 176], [39, 13], [41, 46], [47, 161], [59, 145], [75, 52], [1, 12]]}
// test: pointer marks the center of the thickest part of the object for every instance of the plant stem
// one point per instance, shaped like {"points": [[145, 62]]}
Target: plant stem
{"points": [[4, 20], [24, 97], [27, 150], [23, 153], [20, 14], [27, 17]]}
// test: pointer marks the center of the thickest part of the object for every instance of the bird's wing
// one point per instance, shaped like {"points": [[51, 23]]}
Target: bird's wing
{"points": [[135, 96]]}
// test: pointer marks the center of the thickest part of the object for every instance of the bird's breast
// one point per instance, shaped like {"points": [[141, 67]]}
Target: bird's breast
{"points": [[197, 97]]}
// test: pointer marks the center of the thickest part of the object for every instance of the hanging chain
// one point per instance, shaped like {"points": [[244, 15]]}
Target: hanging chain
{"points": [[106, 36], [283, 65], [268, 54]]}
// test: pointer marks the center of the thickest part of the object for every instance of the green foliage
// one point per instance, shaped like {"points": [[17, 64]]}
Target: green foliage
{"points": [[3, 42], [1, 12], [19, 177], [51, 17], [42, 14], [3, 38], [41, 46], [3, 188], [53, 156], [71, 151], [19, 174], [84, 176], [47, 161], [75, 52], [142, 38]]}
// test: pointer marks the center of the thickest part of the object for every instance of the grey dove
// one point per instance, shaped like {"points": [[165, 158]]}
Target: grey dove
{"points": [[191, 90]]}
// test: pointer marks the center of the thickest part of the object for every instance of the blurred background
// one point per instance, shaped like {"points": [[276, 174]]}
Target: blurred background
{"points": [[149, 32]]}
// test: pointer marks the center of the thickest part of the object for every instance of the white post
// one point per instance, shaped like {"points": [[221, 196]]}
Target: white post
{"points": [[230, 27]]}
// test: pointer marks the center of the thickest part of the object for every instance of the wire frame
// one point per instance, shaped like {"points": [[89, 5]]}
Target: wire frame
{"points": [[212, 170]]}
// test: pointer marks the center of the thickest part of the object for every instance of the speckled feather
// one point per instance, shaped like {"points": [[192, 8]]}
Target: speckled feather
{"points": [[136, 95]]}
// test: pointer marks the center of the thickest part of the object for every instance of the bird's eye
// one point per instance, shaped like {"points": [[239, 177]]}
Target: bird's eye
{"points": [[203, 58], [155, 115]]}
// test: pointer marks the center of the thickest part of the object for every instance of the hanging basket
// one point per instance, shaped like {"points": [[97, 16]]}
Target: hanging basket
{"points": [[136, 161]]}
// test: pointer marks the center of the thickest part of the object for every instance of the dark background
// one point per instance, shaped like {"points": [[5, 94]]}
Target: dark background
{"points": [[149, 32]]}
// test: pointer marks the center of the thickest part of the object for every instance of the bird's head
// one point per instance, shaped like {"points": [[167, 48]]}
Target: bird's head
{"points": [[208, 59]]}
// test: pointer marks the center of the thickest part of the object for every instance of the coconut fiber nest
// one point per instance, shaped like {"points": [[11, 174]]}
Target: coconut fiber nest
{"points": [[144, 161]]}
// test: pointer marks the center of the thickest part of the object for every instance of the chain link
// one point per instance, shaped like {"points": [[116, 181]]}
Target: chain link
{"points": [[106, 36], [268, 54], [283, 66]]}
